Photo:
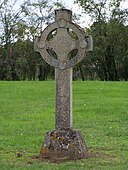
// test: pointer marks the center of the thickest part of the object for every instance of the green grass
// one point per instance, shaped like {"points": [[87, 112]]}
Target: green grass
{"points": [[100, 111]]}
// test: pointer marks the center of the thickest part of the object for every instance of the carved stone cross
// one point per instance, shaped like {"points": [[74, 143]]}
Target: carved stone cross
{"points": [[60, 46]]}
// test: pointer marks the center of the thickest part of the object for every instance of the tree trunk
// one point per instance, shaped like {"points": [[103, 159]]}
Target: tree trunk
{"points": [[111, 66], [82, 74], [40, 76]]}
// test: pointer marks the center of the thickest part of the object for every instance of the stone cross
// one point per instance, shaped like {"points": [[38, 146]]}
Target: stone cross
{"points": [[62, 44], [55, 44]]}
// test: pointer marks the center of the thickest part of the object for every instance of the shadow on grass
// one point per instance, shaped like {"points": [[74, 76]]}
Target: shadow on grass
{"points": [[90, 155]]}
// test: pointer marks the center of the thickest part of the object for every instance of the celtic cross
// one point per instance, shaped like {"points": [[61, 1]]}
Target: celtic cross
{"points": [[60, 45]]}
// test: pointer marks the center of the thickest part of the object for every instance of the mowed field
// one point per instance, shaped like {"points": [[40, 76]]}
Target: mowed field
{"points": [[100, 111]]}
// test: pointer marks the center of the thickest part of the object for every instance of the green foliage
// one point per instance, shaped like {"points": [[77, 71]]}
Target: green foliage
{"points": [[109, 31], [99, 111], [107, 61], [18, 60]]}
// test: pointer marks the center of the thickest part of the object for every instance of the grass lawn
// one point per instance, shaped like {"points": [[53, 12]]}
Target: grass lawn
{"points": [[100, 111]]}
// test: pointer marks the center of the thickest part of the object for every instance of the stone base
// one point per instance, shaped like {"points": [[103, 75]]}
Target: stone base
{"points": [[61, 145]]}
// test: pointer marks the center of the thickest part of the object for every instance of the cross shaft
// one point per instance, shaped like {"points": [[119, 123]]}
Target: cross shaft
{"points": [[63, 80]]}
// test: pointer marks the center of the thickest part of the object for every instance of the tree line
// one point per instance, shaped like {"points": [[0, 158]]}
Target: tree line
{"points": [[20, 23]]}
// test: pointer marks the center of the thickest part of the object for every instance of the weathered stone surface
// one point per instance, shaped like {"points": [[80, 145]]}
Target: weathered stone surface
{"points": [[63, 13], [65, 144], [63, 98]]}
